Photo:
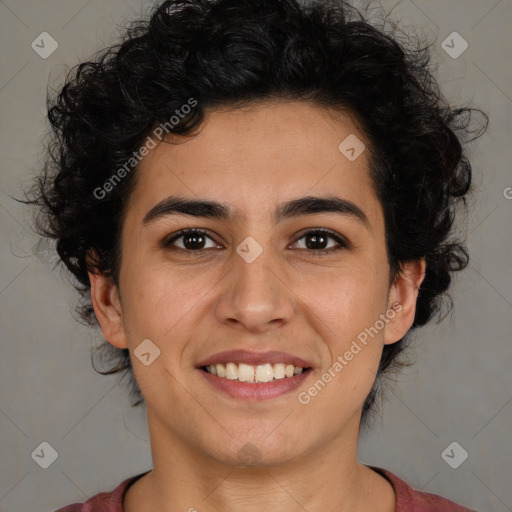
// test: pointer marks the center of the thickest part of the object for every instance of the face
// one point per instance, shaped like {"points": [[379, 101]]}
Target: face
{"points": [[284, 286]]}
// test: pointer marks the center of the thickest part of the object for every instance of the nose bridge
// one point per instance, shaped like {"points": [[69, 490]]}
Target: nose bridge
{"points": [[255, 295]]}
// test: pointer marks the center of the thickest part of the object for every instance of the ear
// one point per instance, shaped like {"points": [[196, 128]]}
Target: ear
{"points": [[107, 306], [403, 294]]}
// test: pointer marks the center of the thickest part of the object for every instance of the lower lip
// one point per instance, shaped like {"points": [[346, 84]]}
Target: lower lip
{"points": [[256, 390]]}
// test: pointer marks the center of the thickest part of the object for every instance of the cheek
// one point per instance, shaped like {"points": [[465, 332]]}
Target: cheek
{"points": [[346, 309], [346, 299], [158, 301]]}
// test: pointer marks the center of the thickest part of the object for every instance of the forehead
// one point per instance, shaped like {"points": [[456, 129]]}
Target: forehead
{"points": [[251, 156]]}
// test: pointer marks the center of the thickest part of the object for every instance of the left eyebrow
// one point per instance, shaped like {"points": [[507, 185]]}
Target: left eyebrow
{"points": [[308, 205]]}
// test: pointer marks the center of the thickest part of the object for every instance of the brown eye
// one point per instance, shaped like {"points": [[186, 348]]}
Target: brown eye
{"points": [[318, 241], [192, 240]]}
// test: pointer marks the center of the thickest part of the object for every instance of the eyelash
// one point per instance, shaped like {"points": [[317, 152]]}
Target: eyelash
{"points": [[342, 243]]}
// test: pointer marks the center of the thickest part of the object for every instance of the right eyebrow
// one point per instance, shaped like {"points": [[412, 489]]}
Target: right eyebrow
{"points": [[308, 205]]}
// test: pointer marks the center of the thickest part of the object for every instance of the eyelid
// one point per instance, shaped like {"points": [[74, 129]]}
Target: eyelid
{"points": [[326, 231], [187, 231], [342, 241]]}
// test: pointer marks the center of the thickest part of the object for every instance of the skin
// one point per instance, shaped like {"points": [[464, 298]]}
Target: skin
{"points": [[289, 299]]}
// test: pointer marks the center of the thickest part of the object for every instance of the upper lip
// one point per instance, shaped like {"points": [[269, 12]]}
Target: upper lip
{"points": [[254, 358]]}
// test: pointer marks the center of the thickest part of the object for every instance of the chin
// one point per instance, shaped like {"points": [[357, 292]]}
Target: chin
{"points": [[263, 449]]}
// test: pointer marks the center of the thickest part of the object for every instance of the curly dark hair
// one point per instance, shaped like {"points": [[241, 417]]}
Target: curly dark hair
{"points": [[238, 52]]}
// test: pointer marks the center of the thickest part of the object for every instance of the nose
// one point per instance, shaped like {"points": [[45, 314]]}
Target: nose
{"points": [[255, 296]]}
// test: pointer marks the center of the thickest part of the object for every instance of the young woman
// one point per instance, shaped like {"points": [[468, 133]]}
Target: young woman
{"points": [[256, 198]]}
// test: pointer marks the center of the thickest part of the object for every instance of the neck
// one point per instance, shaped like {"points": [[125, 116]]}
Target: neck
{"points": [[326, 477]]}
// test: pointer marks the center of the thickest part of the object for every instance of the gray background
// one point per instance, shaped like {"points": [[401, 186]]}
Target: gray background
{"points": [[458, 390]]}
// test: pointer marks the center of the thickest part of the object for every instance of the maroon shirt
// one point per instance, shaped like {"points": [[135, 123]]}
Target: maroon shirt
{"points": [[407, 499]]}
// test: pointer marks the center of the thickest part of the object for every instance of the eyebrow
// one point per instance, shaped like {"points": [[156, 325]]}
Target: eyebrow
{"points": [[308, 205]]}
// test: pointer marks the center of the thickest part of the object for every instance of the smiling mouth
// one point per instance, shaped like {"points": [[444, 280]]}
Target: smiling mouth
{"points": [[254, 374]]}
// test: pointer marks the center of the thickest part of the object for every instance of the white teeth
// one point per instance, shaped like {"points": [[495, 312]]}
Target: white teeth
{"points": [[279, 371], [264, 373], [231, 371], [220, 368], [249, 373], [245, 373]]}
